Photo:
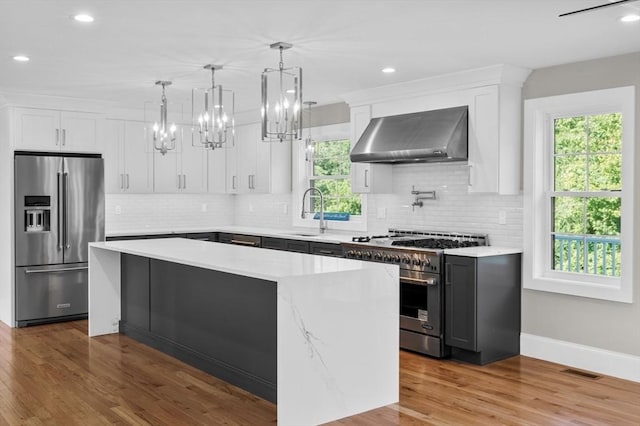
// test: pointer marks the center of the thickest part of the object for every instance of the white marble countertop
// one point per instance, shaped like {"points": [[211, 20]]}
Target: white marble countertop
{"points": [[292, 234], [249, 261], [482, 251]]}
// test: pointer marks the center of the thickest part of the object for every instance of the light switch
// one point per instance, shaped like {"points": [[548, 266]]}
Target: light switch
{"points": [[502, 217]]}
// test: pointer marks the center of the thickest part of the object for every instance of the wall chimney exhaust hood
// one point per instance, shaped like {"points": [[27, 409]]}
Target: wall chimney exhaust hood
{"points": [[429, 136]]}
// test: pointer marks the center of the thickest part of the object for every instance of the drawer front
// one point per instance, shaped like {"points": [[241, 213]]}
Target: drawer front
{"points": [[273, 243], [297, 246], [49, 292], [326, 249]]}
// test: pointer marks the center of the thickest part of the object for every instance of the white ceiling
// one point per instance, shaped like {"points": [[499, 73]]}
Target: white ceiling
{"points": [[341, 44]]}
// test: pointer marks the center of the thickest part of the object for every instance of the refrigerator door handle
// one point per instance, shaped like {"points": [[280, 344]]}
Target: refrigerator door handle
{"points": [[48, 271], [65, 225], [59, 228]]}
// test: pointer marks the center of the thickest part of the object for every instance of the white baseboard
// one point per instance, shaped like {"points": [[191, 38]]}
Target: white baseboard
{"points": [[598, 360]]}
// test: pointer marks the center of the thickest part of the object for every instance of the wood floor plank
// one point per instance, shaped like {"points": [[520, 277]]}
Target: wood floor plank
{"points": [[55, 374]]}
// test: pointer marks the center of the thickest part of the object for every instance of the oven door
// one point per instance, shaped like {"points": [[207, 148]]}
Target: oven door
{"points": [[421, 302]]}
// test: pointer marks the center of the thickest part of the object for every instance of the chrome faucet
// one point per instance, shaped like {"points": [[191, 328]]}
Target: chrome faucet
{"points": [[323, 226]]}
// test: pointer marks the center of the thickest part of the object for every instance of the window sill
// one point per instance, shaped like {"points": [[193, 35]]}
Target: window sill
{"points": [[610, 289]]}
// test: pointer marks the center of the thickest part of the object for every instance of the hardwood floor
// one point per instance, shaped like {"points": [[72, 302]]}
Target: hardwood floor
{"points": [[55, 374]]}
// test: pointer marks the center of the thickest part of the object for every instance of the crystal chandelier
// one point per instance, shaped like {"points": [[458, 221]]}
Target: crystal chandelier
{"points": [[281, 100], [308, 142], [164, 134], [214, 124]]}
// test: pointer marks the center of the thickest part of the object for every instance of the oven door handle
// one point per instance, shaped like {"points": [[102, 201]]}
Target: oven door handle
{"points": [[426, 282]]}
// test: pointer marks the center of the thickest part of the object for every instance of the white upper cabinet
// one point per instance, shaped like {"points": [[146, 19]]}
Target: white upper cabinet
{"points": [[367, 178], [52, 130], [182, 170], [128, 158], [262, 167]]}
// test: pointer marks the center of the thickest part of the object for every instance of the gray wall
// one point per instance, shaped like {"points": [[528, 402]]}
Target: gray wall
{"points": [[607, 325]]}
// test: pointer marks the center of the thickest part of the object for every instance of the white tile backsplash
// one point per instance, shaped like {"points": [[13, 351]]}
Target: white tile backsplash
{"points": [[136, 212], [454, 210]]}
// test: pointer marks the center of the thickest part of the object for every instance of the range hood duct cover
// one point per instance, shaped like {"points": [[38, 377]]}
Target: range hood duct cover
{"points": [[429, 136]]}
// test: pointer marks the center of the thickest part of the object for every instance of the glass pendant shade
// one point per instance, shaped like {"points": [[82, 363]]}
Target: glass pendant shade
{"points": [[281, 101], [164, 134], [212, 111], [309, 142]]}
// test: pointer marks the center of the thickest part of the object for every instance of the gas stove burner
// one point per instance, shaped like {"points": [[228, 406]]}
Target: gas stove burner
{"points": [[434, 243], [360, 239]]}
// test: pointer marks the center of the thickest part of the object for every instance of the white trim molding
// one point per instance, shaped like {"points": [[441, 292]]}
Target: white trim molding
{"points": [[538, 116], [602, 361]]}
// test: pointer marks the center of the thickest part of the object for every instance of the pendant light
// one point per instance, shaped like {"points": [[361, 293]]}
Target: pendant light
{"points": [[164, 134], [281, 100], [214, 122], [308, 142]]}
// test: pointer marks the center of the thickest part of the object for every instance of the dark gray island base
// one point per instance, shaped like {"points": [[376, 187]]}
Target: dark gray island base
{"points": [[221, 323]]}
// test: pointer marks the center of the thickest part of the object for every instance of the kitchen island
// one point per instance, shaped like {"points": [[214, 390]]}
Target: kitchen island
{"points": [[316, 335]]}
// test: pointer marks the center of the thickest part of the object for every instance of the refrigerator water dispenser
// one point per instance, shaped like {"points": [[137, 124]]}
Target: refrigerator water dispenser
{"points": [[37, 213]]}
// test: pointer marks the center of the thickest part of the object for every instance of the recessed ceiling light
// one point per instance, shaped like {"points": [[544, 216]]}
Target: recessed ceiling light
{"points": [[21, 58], [632, 17], [388, 70], [83, 17]]}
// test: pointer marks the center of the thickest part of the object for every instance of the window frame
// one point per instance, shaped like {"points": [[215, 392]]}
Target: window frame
{"points": [[539, 115], [302, 174]]}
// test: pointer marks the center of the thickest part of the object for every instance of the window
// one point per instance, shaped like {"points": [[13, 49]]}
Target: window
{"points": [[329, 171], [327, 167], [579, 194]]}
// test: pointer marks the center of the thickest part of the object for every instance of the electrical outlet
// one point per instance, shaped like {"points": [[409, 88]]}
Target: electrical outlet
{"points": [[203, 207], [502, 217], [118, 209]]}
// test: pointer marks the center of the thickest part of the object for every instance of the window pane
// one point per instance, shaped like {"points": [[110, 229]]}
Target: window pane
{"points": [[570, 135], [337, 196], [568, 215], [605, 172], [568, 253], [331, 158], [603, 216], [570, 173], [605, 132]]}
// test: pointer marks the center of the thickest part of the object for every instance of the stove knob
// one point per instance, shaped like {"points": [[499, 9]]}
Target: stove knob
{"points": [[395, 258], [366, 255], [377, 256], [358, 255], [350, 253], [386, 258], [427, 262], [406, 260], [416, 262]]}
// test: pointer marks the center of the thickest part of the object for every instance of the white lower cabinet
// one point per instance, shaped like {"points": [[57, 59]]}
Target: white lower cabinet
{"points": [[128, 158]]}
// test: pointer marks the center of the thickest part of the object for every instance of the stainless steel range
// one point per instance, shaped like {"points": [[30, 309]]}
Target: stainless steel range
{"points": [[419, 255]]}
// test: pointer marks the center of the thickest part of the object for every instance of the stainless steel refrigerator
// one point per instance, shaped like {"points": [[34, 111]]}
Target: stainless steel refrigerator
{"points": [[59, 209]]}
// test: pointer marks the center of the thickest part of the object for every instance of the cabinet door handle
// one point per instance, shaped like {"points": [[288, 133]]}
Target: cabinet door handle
{"points": [[233, 181], [179, 181], [366, 178], [127, 180], [57, 136], [469, 181], [447, 274], [64, 136], [184, 181], [121, 180]]}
